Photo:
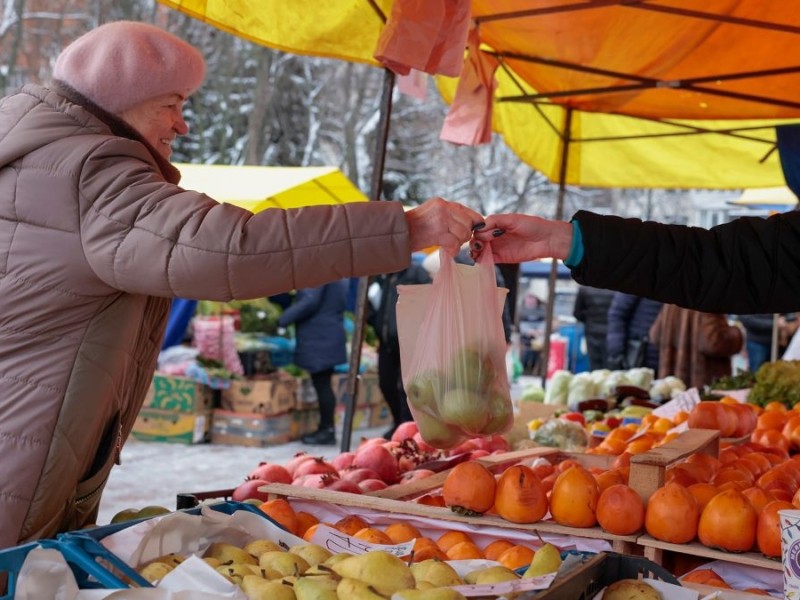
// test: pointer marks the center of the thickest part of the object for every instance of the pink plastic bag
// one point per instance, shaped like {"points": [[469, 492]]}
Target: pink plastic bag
{"points": [[215, 338], [452, 352]]}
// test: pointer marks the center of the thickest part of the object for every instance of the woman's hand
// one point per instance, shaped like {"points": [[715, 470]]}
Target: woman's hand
{"points": [[437, 222]]}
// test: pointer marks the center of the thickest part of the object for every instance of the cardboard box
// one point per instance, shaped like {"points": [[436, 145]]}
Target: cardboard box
{"points": [[306, 394], [303, 422], [361, 416], [369, 392], [178, 394], [153, 425], [380, 416], [250, 429], [272, 395]]}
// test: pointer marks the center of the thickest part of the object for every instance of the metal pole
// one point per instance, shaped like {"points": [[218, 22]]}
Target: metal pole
{"points": [[551, 282], [376, 189]]}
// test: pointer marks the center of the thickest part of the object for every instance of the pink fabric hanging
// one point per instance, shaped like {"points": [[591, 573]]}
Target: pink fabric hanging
{"points": [[469, 120], [427, 35]]}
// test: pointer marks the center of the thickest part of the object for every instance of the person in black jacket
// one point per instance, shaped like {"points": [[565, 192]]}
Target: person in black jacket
{"points": [[318, 317], [746, 266], [629, 320], [591, 309], [384, 321]]}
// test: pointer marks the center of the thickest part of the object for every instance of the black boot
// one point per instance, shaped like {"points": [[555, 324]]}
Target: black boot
{"points": [[324, 436]]}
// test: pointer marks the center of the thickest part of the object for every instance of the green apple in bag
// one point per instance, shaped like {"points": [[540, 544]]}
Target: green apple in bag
{"points": [[464, 409], [422, 390], [501, 413], [437, 433]]}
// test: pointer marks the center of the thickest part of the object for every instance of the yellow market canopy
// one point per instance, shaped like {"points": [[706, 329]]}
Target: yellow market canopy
{"points": [[596, 92], [258, 188], [775, 198]]}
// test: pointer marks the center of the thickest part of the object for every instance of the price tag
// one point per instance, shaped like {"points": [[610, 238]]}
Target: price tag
{"points": [[506, 587], [337, 542], [685, 401]]}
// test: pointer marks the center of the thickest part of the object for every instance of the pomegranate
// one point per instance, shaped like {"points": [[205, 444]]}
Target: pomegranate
{"points": [[271, 473], [415, 474], [249, 489], [343, 485], [380, 460], [312, 480], [405, 431], [372, 485], [369, 441], [358, 475], [342, 461], [296, 460], [315, 466], [423, 445]]}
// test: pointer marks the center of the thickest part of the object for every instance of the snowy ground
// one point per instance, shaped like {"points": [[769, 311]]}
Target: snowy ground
{"points": [[156, 472]]}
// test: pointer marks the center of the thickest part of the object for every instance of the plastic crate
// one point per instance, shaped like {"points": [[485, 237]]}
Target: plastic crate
{"points": [[92, 564], [597, 571]]}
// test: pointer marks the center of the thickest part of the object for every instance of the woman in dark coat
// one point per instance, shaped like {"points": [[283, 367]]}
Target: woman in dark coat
{"points": [[629, 320], [318, 316]]}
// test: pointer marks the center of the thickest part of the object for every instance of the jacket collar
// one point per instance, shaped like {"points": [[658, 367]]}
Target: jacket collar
{"points": [[118, 127]]}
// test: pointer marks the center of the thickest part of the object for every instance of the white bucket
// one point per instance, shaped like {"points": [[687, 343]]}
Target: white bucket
{"points": [[790, 552]]}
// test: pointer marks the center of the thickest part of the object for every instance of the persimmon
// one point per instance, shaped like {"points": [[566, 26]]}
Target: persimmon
{"points": [[304, 521], [639, 446], [402, 532], [777, 406], [758, 458], [768, 528], [280, 511], [567, 464], [746, 420], [464, 551], [623, 460], [620, 510], [351, 524], [757, 497], [469, 488], [701, 576], [685, 474], [706, 465], [671, 514], [608, 478], [520, 496], [515, 557], [728, 522], [710, 414], [373, 536], [733, 473], [573, 500], [771, 438], [703, 492], [496, 548], [431, 500], [451, 538], [425, 548]]}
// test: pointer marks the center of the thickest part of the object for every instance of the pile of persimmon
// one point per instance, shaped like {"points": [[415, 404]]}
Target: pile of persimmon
{"points": [[652, 432], [731, 418]]}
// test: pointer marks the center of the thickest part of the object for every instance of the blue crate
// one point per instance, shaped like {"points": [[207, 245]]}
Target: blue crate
{"points": [[90, 560]]}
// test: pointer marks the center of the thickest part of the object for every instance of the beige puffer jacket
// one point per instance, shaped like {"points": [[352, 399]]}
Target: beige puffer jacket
{"points": [[95, 238]]}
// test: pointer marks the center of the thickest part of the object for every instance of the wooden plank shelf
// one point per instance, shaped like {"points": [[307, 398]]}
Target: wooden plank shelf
{"points": [[654, 550]]}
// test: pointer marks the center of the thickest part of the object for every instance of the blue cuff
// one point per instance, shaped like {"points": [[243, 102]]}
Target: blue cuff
{"points": [[576, 250]]}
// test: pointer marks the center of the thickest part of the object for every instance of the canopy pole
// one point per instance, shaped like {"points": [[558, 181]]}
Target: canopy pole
{"points": [[376, 191], [551, 281]]}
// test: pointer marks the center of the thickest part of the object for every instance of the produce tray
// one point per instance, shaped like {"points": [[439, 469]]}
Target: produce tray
{"points": [[657, 551], [94, 566], [586, 580]]}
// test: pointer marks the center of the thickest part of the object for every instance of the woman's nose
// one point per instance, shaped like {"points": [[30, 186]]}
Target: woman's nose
{"points": [[180, 127]]}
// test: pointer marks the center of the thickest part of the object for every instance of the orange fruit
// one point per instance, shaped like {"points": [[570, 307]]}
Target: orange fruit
{"points": [[351, 524], [280, 511], [520, 496], [515, 557], [402, 532], [496, 548], [768, 529], [620, 510], [469, 487], [702, 492], [728, 522], [452, 537], [573, 499], [671, 514], [304, 521], [373, 536], [425, 548], [464, 551]]}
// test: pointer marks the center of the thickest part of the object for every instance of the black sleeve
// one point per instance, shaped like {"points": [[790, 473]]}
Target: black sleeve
{"points": [[749, 265]]}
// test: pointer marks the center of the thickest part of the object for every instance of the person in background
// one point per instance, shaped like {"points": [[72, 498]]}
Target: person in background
{"points": [[591, 309], [694, 346], [531, 317], [383, 319], [758, 339], [97, 237], [321, 344], [629, 320]]}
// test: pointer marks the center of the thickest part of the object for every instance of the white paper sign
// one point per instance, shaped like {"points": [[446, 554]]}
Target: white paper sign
{"points": [[685, 401], [337, 542]]}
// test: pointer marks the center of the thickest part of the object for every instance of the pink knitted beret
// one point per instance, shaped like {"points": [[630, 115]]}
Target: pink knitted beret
{"points": [[121, 64]]}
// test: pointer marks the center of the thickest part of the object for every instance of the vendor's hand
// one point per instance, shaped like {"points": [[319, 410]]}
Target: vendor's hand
{"points": [[515, 238], [437, 222]]}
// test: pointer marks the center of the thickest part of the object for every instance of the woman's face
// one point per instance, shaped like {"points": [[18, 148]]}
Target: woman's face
{"points": [[159, 121]]}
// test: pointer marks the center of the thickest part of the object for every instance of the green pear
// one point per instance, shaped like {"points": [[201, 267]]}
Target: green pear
{"points": [[284, 563], [489, 575], [422, 390], [265, 573], [501, 414], [437, 433], [211, 561], [256, 588], [336, 558], [125, 515], [465, 409], [385, 572], [354, 589], [154, 571], [236, 572], [316, 588], [228, 553], [258, 547], [437, 572], [151, 511], [171, 559], [547, 559], [441, 593], [313, 553]]}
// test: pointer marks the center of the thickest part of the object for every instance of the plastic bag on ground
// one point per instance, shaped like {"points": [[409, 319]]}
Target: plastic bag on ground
{"points": [[452, 352]]}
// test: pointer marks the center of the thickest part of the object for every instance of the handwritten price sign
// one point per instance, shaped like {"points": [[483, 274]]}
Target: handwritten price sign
{"points": [[337, 542]]}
